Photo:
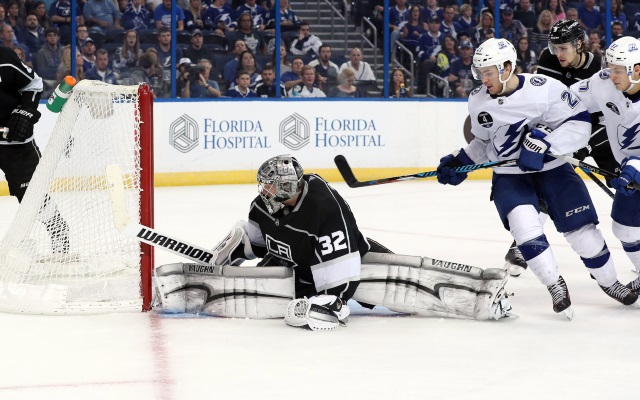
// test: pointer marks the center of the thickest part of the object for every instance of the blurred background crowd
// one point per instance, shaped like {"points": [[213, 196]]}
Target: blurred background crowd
{"points": [[292, 48]]}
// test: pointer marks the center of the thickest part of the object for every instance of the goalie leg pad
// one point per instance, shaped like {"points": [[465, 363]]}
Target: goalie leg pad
{"points": [[240, 292], [432, 288], [229, 252]]}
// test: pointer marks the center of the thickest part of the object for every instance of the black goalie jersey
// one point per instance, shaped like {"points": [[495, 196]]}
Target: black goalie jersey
{"points": [[599, 142], [319, 237]]}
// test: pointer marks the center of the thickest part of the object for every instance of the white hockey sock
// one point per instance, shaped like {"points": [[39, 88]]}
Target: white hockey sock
{"points": [[544, 267], [605, 275], [634, 256], [589, 243]]}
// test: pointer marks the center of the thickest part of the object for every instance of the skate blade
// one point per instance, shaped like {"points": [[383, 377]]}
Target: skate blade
{"points": [[568, 312]]}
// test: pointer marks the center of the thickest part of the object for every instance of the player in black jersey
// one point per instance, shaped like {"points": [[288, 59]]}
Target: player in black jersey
{"points": [[567, 60]]}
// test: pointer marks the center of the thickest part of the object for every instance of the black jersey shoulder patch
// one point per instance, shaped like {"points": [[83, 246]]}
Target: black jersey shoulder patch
{"points": [[538, 80]]}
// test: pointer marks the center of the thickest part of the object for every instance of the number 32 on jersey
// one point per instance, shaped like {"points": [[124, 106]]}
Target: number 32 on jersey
{"points": [[334, 242]]}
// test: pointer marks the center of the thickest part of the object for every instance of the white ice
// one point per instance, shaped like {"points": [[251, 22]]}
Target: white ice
{"points": [[537, 355]]}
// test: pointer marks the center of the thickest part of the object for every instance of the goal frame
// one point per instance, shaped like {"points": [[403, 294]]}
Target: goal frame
{"points": [[145, 100]]}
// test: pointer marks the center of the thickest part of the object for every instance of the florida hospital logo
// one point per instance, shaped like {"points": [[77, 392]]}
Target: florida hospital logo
{"points": [[295, 132], [184, 134]]}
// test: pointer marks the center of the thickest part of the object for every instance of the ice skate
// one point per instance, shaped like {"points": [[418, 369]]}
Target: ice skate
{"points": [[623, 294], [514, 262], [561, 300]]}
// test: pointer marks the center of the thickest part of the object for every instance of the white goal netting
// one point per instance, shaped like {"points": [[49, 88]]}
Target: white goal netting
{"points": [[62, 253]]}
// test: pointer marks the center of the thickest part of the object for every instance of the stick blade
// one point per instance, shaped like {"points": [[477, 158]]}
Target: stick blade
{"points": [[346, 172], [117, 196]]}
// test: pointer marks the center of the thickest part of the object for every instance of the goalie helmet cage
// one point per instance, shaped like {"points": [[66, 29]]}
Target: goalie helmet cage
{"points": [[63, 254]]}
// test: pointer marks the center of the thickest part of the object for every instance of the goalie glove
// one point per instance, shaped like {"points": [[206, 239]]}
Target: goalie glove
{"points": [[446, 174], [628, 174], [324, 312], [533, 149], [21, 124]]}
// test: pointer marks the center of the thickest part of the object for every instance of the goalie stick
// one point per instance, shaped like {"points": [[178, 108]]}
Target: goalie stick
{"points": [[589, 167], [144, 233], [352, 181]]}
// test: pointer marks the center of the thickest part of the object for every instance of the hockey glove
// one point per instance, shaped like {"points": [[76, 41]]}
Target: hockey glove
{"points": [[21, 124], [446, 174], [628, 174], [582, 153], [532, 153]]}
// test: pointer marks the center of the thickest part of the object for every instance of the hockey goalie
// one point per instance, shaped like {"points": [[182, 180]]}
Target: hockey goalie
{"points": [[314, 260]]}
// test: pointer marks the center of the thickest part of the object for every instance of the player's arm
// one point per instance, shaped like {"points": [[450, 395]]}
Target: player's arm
{"points": [[29, 91], [585, 92]]}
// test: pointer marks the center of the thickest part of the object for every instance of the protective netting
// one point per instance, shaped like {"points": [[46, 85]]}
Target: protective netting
{"points": [[62, 253]]}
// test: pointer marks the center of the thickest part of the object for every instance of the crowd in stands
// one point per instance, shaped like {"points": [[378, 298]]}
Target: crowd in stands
{"points": [[442, 35]]}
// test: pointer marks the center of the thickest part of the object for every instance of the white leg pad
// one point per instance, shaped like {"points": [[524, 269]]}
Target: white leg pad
{"points": [[430, 288], [586, 241]]}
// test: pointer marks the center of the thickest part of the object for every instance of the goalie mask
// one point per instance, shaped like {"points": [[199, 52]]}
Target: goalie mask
{"points": [[279, 179]]}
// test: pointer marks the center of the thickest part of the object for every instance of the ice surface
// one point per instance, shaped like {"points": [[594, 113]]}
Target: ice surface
{"points": [[538, 355]]}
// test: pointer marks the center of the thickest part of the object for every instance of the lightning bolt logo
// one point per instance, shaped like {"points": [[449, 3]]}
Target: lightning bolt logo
{"points": [[627, 137], [511, 134]]}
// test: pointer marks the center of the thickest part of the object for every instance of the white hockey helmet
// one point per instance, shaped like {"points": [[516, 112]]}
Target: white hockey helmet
{"points": [[625, 52], [494, 52], [279, 179]]}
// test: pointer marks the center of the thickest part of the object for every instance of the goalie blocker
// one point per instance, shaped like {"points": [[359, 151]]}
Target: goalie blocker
{"points": [[405, 284]]}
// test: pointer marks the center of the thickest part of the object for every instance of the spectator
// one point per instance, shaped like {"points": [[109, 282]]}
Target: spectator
{"points": [[397, 85], [285, 66], [524, 13], [289, 22], [184, 65], [251, 36], [3, 13], [241, 88], [20, 54], [257, 12], [485, 29], [200, 86], [197, 51], [429, 45], [136, 16], [412, 30], [230, 71], [218, 18], [447, 55], [163, 47], [636, 22], [432, 10], [361, 68], [305, 43], [88, 54], [616, 30], [82, 32], [128, 55], [64, 69], [306, 88], [160, 80], [326, 71], [32, 34], [345, 87], [60, 15], [194, 16], [8, 39], [101, 71], [141, 73], [490, 6], [556, 9], [40, 10], [540, 33], [617, 14], [267, 86], [15, 14], [247, 63], [526, 57], [398, 17], [589, 15], [595, 44], [447, 27], [572, 14], [162, 16], [460, 77], [49, 56], [511, 29], [466, 22], [293, 77], [101, 15]]}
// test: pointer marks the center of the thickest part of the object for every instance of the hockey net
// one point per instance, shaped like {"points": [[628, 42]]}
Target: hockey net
{"points": [[63, 254]]}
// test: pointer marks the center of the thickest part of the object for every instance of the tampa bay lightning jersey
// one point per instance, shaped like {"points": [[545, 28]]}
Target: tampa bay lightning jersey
{"points": [[500, 123], [621, 112]]}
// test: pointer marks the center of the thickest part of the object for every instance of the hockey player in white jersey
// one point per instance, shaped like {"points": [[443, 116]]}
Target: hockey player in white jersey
{"points": [[616, 92], [530, 118]]}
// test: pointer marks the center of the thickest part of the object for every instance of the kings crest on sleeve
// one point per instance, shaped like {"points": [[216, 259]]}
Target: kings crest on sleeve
{"points": [[538, 81]]}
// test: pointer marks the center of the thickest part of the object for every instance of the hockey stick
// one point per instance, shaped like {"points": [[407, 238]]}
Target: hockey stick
{"points": [[598, 182], [144, 233], [352, 181], [589, 167]]}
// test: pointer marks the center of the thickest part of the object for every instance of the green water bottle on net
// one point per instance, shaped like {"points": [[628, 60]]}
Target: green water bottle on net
{"points": [[61, 94]]}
